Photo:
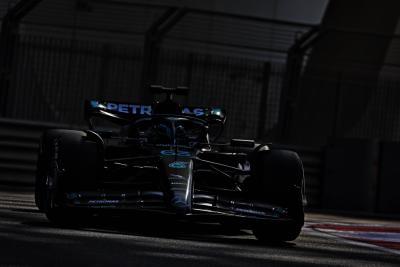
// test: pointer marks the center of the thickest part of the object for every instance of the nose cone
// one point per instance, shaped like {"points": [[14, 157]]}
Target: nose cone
{"points": [[178, 168]]}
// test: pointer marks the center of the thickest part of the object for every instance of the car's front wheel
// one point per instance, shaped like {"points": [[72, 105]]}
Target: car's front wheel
{"points": [[66, 162], [278, 178]]}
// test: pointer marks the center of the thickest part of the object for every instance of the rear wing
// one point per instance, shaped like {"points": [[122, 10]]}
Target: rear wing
{"points": [[133, 111]]}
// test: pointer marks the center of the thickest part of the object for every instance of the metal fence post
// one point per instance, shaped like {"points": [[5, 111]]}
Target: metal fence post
{"points": [[262, 115], [337, 108], [104, 71], [152, 42], [292, 74], [7, 44], [8, 38], [294, 65]]}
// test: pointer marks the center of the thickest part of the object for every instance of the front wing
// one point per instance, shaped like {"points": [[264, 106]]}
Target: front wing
{"points": [[204, 204]]}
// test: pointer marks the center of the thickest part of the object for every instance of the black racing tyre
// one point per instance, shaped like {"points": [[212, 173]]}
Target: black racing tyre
{"points": [[278, 178], [67, 161]]}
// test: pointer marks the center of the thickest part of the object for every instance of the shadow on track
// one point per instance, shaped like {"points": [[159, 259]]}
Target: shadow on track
{"points": [[161, 227]]}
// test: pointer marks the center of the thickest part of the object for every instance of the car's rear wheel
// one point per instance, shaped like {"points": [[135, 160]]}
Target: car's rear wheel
{"points": [[67, 162], [278, 178]]}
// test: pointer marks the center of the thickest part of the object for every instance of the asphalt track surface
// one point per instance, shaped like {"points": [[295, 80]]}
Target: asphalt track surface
{"points": [[28, 239]]}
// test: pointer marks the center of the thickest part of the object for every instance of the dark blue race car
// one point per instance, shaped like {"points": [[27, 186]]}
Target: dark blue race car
{"points": [[160, 158]]}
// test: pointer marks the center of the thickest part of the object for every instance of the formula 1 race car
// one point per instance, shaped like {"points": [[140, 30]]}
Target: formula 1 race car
{"points": [[163, 158]]}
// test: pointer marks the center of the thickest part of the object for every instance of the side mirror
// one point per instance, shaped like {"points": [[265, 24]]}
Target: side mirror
{"points": [[242, 143]]}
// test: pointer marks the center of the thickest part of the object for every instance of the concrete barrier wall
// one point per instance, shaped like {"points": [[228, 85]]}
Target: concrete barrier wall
{"points": [[388, 198], [19, 143], [363, 176], [351, 175]]}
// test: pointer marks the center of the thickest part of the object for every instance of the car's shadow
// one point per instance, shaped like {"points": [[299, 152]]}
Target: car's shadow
{"points": [[167, 228]]}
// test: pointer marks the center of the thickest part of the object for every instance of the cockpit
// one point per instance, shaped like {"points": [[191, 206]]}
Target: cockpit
{"points": [[170, 130]]}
